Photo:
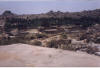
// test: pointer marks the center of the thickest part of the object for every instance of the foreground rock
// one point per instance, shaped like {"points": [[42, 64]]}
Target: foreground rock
{"points": [[27, 55]]}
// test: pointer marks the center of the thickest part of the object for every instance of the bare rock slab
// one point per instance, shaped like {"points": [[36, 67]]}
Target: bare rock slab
{"points": [[33, 56]]}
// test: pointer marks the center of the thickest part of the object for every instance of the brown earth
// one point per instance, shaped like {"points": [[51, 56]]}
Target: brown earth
{"points": [[27, 55]]}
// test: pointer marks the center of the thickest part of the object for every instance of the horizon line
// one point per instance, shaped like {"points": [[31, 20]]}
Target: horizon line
{"points": [[28, 0], [49, 11]]}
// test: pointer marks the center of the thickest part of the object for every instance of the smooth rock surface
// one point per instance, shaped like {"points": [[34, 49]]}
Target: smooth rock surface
{"points": [[28, 55]]}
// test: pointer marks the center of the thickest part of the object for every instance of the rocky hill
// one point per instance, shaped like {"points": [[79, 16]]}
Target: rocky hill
{"points": [[84, 19], [76, 31]]}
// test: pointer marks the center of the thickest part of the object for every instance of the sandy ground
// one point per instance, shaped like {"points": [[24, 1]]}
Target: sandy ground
{"points": [[28, 55]]}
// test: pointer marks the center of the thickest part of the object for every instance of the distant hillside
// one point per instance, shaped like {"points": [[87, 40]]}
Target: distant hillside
{"points": [[59, 14], [84, 19]]}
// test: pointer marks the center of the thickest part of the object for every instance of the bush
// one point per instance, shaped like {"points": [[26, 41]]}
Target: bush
{"points": [[17, 40], [11, 40], [4, 40], [58, 43], [64, 36], [52, 44], [35, 36], [91, 50], [30, 36], [35, 42], [97, 40], [41, 35], [68, 47]]}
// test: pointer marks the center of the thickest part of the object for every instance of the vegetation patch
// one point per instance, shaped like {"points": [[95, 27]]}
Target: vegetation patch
{"points": [[35, 42]]}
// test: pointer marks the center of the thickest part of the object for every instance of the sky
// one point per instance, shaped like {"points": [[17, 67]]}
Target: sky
{"points": [[43, 6]]}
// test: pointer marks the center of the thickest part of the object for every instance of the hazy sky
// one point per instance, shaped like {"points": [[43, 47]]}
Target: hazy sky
{"points": [[42, 6]]}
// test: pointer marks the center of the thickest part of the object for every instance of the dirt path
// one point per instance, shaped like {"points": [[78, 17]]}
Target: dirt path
{"points": [[27, 55]]}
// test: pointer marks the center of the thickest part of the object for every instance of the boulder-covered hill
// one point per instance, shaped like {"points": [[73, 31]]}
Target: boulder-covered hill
{"points": [[85, 19], [59, 14]]}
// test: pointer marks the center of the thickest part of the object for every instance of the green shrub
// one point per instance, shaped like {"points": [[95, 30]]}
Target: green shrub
{"points": [[35, 42], [52, 44], [35, 36], [30, 36], [58, 43], [68, 47], [97, 40], [41, 35], [64, 36], [65, 44]]}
